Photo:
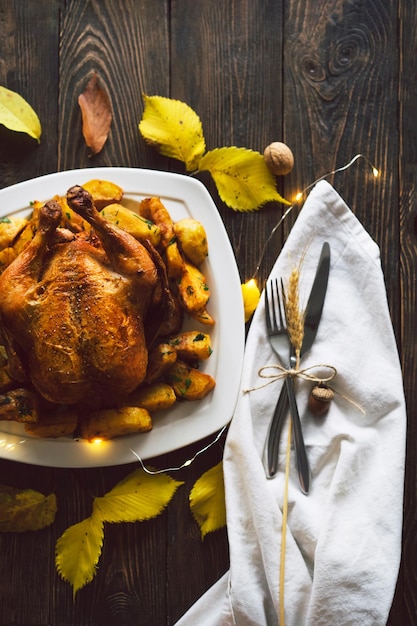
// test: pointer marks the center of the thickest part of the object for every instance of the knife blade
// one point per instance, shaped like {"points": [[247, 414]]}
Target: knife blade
{"points": [[312, 318], [316, 300]]}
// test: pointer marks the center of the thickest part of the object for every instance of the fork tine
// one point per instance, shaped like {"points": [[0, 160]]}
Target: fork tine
{"points": [[283, 299], [275, 320], [281, 307], [267, 310], [275, 303]]}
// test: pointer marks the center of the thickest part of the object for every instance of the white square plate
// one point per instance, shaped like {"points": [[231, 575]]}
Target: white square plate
{"points": [[187, 422]]}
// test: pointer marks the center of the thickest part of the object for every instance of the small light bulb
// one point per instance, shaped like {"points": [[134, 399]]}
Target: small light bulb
{"points": [[251, 283], [375, 172], [97, 441], [298, 196]]}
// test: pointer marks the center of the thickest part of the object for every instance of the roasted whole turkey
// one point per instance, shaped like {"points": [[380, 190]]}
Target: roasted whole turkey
{"points": [[73, 306]]}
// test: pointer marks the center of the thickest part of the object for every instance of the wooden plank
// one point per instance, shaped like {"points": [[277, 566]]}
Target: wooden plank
{"points": [[126, 43], [21, 24], [340, 101], [227, 65], [405, 602]]}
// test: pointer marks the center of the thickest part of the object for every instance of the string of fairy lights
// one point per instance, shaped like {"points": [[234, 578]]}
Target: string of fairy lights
{"points": [[298, 198]]}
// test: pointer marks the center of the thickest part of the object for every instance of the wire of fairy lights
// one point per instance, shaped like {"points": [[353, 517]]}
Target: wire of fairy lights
{"points": [[297, 199], [301, 194], [186, 463]]}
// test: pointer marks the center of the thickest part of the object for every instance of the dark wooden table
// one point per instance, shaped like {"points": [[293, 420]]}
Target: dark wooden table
{"points": [[332, 78]]}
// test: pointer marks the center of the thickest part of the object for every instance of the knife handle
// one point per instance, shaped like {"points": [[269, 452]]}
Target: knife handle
{"points": [[275, 430], [303, 466]]}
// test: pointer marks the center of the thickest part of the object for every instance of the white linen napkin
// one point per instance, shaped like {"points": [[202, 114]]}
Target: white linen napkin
{"points": [[344, 538]]}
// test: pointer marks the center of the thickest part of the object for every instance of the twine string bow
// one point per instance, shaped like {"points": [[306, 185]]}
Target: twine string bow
{"points": [[278, 372]]}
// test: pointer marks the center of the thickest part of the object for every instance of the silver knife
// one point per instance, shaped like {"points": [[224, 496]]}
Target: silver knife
{"points": [[311, 323]]}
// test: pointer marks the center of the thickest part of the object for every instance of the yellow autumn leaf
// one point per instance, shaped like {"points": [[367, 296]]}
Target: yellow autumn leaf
{"points": [[207, 500], [78, 550], [174, 129], [242, 177], [138, 497], [251, 296], [22, 510], [17, 115]]}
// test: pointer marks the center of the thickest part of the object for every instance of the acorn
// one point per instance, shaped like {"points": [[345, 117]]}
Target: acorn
{"points": [[319, 400], [279, 158]]}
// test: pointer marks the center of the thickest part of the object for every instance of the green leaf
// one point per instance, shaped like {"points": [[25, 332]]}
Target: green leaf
{"points": [[207, 500], [174, 129], [25, 510], [78, 551], [138, 497], [17, 115], [242, 177]]}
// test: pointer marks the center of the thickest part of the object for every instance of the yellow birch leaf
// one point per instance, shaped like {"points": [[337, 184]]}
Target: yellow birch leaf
{"points": [[174, 129], [22, 510], [17, 115], [207, 500], [251, 296], [137, 497], [242, 177], [78, 550]]}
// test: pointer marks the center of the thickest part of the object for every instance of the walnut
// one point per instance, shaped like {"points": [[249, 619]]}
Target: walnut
{"points": [[279, 158]]}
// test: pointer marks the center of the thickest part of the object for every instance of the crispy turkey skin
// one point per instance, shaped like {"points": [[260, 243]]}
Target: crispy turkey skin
{"points": [[72, 308]]}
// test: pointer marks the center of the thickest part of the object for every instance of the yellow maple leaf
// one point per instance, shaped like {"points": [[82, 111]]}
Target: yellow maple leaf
{"points": [[138, 497], [242, 177], [78, 550], [207, 500], [174, 128], [17, 115], [22, 510]]}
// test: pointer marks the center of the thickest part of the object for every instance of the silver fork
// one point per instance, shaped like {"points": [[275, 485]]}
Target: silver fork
{"points": [[275, 324], [278, 337]]}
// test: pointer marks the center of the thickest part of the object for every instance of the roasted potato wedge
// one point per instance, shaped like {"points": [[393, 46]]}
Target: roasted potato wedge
{"points": [[134, 224], [152, 209], [153, 397], [192, 239], [61, 423], [19, 405], [160, 360], [203, 317], [193, 289], [10, 228], [110, 423], [174, 261], [103, 192], [192, 346], [71, 219], [25, 236], [7, 255], [188, 382]]}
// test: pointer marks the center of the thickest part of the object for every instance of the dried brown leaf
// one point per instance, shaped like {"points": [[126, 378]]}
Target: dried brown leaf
{"points": [[96, 114]]}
